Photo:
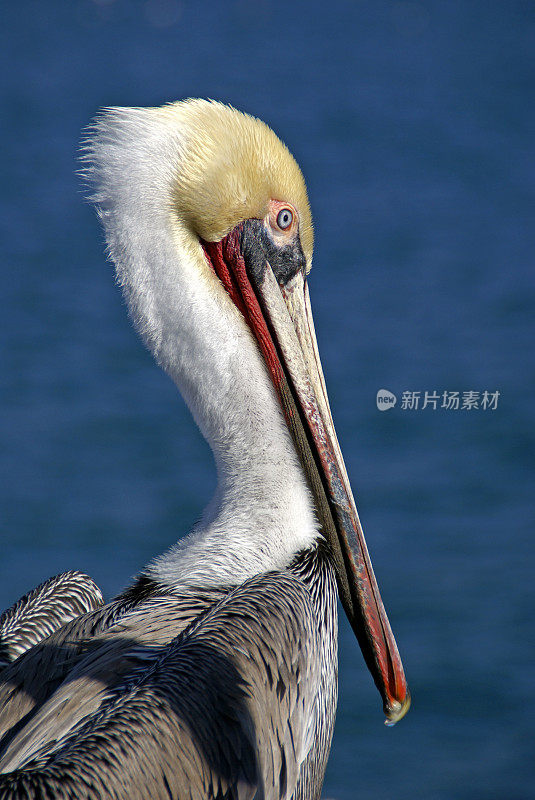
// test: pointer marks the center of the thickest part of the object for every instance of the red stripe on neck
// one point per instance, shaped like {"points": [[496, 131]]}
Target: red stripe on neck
{"points": [[226, 259]]}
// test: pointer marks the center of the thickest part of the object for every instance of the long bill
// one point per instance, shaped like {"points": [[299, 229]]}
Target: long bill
{"points": [[280, 317]]}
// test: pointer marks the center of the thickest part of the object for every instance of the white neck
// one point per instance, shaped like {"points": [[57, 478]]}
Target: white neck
{"points": [[261, 514]]}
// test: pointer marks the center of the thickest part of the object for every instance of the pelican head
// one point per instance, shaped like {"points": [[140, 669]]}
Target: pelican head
{"points": [[208, 222]]}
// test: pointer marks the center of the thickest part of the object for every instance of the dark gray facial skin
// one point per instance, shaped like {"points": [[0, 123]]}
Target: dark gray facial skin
{"points": [[259, 249]]}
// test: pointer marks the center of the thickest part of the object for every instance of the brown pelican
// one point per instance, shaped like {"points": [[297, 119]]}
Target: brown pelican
{"points": [[215, 674]]}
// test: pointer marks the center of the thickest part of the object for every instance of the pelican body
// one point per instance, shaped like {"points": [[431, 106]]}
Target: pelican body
{"points": [[214, 675]]}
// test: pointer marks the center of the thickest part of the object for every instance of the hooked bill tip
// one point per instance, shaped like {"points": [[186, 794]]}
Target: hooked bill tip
{"points": [[397, 711]]}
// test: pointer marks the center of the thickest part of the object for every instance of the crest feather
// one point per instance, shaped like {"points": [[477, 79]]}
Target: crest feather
{"points": [[231, 166]]}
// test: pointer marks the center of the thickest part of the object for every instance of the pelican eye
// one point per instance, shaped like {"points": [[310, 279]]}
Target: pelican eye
{"points": [[284, 218]]}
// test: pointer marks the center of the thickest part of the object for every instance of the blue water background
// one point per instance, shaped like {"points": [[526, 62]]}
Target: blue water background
{"points": [[414, 125]]}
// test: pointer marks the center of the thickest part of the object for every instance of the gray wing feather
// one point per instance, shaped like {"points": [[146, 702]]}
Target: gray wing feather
{"points": [[35, 675], [27, 684], [223, 711], [45, 609], [89, 660]]}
